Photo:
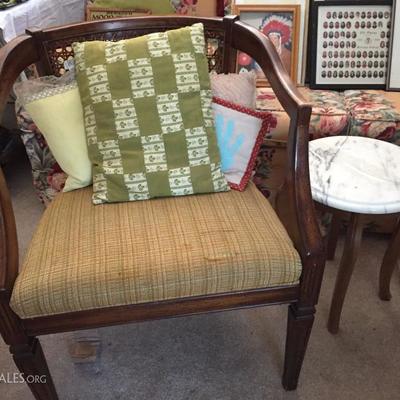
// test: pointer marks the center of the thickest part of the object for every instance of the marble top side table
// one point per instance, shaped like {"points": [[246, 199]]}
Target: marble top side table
{"points": [[361, 176]]}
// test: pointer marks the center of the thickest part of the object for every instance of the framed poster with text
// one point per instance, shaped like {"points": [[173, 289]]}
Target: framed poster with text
{"points": [[393, 75], [350, 44]]}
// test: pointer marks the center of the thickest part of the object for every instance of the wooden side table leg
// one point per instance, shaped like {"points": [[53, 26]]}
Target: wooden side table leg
{"points": [[352, 245], [388, 264], [333, 236]]}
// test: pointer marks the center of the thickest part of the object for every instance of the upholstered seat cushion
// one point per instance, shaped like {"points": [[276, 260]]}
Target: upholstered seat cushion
{"points": [[329, 116], [85, 257], [372, 115]]}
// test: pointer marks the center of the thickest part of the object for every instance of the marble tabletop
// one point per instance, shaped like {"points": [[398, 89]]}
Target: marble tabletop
{"points": [[356, 174]]}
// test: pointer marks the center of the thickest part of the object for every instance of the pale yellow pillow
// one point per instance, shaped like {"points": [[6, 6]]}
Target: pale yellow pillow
{"points": [[57, 112]]}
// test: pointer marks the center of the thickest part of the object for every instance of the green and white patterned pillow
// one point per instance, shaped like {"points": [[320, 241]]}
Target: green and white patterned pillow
{"points": [[148, 116]]}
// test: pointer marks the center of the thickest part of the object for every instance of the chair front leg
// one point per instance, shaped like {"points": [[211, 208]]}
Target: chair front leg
{"points": [[299, 327], [31, 362], [27, 353]]}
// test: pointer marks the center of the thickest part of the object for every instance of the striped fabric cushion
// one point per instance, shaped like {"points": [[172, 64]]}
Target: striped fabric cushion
{"points": [[86, 257]]}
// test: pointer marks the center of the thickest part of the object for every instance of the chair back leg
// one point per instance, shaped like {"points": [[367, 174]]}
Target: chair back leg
{"points": [[31, 362], [298, 332]]}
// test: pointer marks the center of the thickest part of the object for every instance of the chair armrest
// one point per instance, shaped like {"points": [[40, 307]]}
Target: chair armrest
{"points": [[298, 214], [8, 243], [14, 58]]}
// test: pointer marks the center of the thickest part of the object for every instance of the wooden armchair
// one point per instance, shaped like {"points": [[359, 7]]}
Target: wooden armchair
{"points": [[295, 207]]}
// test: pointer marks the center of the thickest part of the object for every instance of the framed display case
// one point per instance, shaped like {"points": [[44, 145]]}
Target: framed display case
{"points": [[350, 44], [393, 75]]}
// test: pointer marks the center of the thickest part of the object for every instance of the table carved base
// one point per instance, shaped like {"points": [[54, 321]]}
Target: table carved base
{"points": [[346, 267], [389, 263], [349, 259]]}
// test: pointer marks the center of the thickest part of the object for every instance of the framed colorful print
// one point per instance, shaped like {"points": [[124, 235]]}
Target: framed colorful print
{"points": [[280, 23], [228, 7], [303, 27], [201, 8], [393, 75], [350, 45]]}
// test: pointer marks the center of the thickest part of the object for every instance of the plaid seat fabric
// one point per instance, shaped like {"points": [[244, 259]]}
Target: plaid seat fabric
{"points": [[86, 257]]}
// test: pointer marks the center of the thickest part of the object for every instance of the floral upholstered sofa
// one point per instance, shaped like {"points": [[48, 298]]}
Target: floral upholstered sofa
{"points": [[363, 113], [374, 114], [352, 112]]}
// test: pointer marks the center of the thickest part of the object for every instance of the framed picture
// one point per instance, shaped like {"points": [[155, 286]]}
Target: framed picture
{"points": [[350, 44], [228, 7], [203, 8], [393, 75], [303, 29], [280, 23], [96, 13]]}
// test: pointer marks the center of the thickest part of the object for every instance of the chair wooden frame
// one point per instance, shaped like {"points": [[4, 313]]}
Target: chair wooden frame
{"points": [[295, 205]]}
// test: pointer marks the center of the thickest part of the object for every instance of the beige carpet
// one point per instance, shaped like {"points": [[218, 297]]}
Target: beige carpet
{"points": [[230, 355]]}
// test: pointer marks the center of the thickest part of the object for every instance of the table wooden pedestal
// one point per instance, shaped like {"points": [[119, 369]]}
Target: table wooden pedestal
{"points": [[389, 263], [360, 176], [349, 259]]}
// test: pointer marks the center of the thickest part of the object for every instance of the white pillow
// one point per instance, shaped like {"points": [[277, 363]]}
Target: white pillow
{"points": [[240, 133], [236, 88]]}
